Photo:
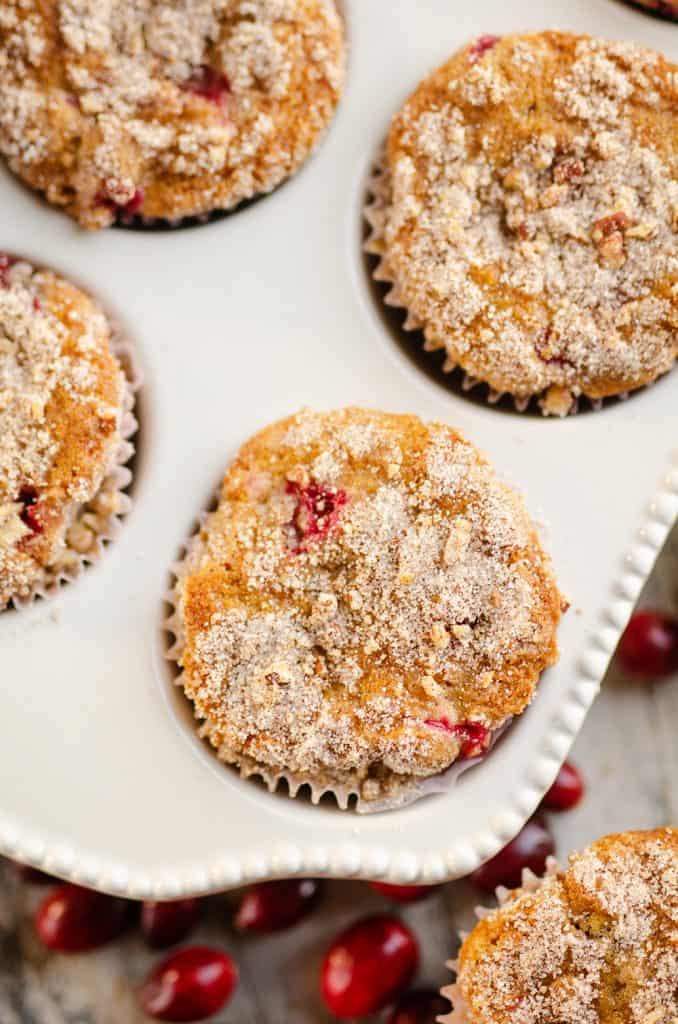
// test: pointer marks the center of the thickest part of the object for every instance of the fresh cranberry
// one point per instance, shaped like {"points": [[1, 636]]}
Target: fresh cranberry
{"points": [[403, 893], [272, 906], [530, 849], [30, 515], [33, 876], [473, 736], [210, 84], [649, 645], [163, 924], [420, 1007], [481, 46], [189, 985], [566, 791], [368, 965], [73, 920], [317, 510]]}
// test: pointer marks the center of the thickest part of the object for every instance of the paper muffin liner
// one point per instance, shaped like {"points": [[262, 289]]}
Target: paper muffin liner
{"points": [[390, 793], [97, 522], [529, 883], [559, 402]]}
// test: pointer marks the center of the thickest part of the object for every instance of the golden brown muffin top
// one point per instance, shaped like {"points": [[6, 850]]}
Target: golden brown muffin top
{"points": [[531, 223], [61, 402], [166, 109], [367, 597], [596, 943]]}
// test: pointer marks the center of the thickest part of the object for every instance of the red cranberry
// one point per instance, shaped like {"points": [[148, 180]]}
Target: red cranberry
{"points": [[134, 204], [210, 84], [420, 1007], [272, 906], [189, 985], [368, 965], [481, 46], [474, 736], [163, 924], [529, 849], [30, 514], [403, 893], [317, 510], [33, 876], [73, 920], [649, 645], [566, 791]]}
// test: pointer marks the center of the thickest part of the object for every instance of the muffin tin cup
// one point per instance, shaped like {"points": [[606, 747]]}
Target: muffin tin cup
{"points": [[103, 522], [375, 245], [529, 883]]}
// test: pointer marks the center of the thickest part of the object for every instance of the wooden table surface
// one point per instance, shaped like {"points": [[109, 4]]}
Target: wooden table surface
{"points": [[627, 752]]}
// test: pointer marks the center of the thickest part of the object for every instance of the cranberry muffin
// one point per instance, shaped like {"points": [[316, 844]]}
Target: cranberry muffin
{"points": [[527, 215], [368, 604], [165, 108], [595, 943], [64, 404]]}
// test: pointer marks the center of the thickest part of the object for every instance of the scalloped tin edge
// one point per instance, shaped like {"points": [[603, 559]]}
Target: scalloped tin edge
{"points": [[353, 859]]}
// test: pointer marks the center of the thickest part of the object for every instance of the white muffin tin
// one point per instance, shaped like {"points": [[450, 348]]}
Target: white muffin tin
{"points": [[237, 323]]}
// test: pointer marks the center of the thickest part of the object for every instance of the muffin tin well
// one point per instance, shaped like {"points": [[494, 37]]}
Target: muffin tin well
{"points": [[238, 323]]}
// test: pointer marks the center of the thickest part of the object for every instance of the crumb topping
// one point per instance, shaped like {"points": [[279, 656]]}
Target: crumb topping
{"points": [[168, 109], [60, 411], [531, 219], [594, 944], [367, 597]]}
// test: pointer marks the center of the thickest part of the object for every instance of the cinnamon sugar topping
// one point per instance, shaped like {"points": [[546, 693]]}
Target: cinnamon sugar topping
{"points": [[168, 108], [532, 189], [595, 944], [323, 643]]}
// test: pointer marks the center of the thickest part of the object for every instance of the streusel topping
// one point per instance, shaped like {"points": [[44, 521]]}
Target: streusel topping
{"points": [[594, 944], [61, 397], [531, 215], [368, 598], [164, 108]]}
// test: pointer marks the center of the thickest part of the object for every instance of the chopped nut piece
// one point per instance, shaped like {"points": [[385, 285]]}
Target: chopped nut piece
{"points": [[439, 635], [611, 250]]}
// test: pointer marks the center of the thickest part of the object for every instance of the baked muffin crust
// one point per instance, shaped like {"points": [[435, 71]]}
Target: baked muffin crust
{"points": [[367, 604], [596, 943], [164, 109], [529, 214], [62, 399]]}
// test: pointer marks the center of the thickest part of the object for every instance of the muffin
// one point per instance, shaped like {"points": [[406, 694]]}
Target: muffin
{"points": [[527, 215], [160, 109], [367, 605], [595, 943], [64, 417]]}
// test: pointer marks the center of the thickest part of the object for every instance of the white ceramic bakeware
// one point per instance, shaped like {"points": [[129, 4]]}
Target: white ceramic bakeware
{"points": [[239, 322]]}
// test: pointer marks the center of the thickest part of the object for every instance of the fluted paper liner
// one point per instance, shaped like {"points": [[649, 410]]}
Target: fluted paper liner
{"points": [[375, 214], [99, 520], [394, 792], [529, 883]]}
